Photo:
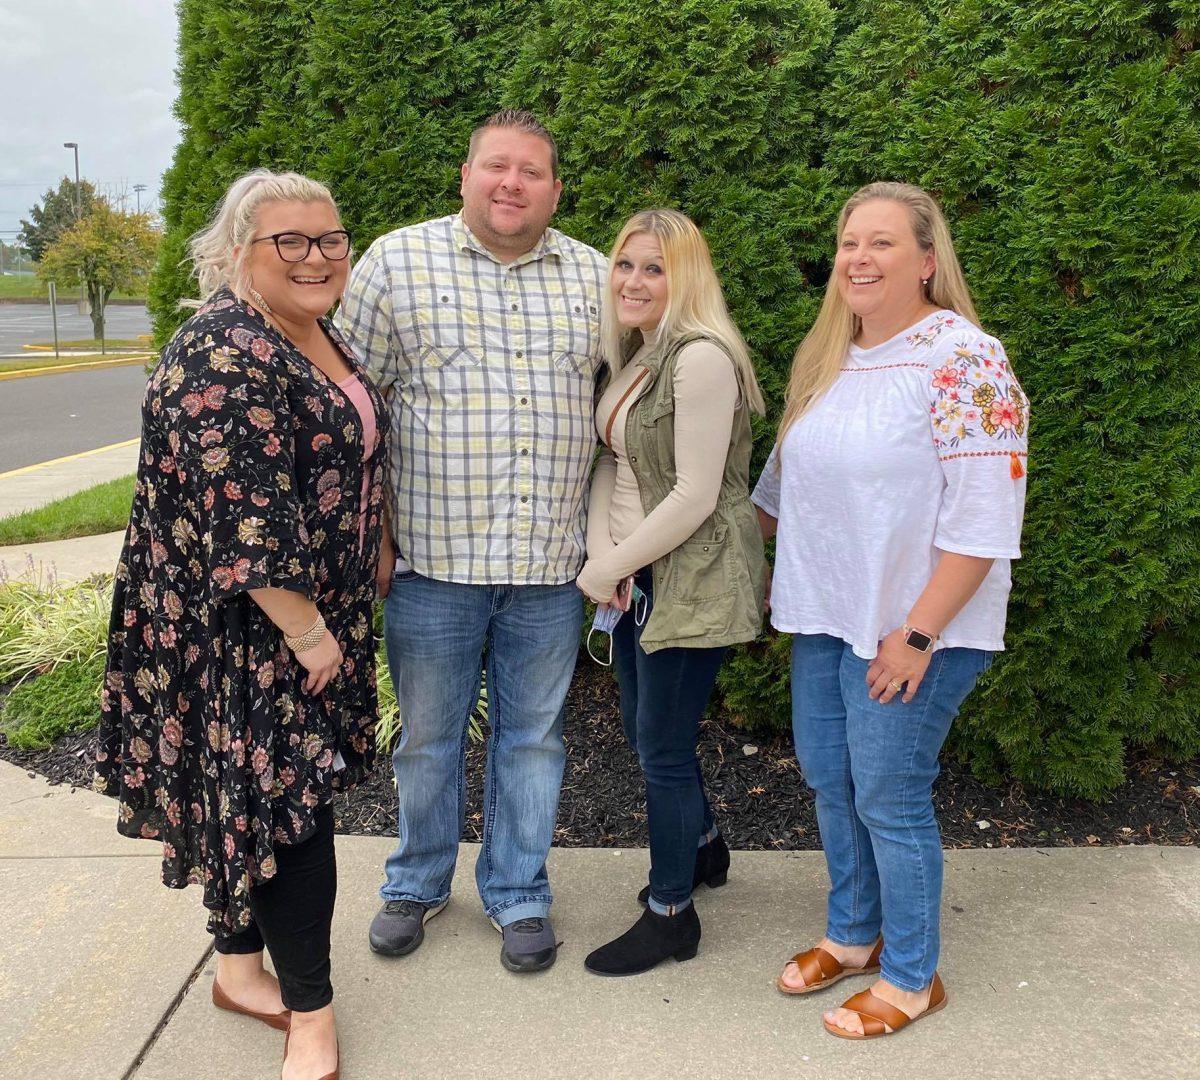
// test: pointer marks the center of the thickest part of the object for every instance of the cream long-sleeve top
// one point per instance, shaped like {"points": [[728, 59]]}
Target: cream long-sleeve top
{"points": [[621, 536]]}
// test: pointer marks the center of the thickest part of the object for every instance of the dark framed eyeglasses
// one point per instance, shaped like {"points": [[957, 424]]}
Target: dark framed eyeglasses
{"points": [[293, 247]]}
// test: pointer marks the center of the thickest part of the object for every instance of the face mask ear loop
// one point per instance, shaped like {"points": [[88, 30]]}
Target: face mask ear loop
{"points": [[603, 663]]}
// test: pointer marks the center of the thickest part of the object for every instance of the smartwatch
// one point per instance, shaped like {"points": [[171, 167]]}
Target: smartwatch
{"points": [[918, 639]]}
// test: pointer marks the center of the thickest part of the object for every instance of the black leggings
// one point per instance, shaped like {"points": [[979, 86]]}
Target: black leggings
{"points": [[293, 912]]}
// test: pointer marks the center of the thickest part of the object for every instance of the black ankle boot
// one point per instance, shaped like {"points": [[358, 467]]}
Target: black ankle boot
{"points": [[648, 942], [712, 867]]}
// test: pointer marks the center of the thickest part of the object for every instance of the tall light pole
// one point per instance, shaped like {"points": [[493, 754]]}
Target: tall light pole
{"points": [[137, 190], [82, 309], [78, 198]]}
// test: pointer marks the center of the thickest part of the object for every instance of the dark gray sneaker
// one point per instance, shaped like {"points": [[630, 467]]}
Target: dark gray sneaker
{"points": [[529, 945], [400, 926]]}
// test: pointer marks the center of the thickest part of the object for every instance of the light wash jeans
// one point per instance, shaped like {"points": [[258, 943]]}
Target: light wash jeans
{"points": [[436, 633], [872, 768]]}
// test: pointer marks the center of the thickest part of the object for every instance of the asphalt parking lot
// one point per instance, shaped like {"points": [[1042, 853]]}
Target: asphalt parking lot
{"points": [[24, 324]]}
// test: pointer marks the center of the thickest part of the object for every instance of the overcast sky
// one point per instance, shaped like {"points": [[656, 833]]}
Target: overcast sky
{"points": [[97, 72]]}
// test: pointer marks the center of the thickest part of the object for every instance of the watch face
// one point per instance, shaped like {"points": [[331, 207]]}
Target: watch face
{"points": [[920, 641]]}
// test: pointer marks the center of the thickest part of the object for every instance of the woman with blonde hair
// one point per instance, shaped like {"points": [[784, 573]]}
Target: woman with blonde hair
{"points": [[240, 686], [897, 489], [672, 535]]}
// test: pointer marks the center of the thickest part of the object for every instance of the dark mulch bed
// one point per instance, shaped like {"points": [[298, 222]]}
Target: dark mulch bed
{"points": [[756, 789]]}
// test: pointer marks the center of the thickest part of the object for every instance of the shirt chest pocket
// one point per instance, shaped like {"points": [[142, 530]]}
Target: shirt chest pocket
{"points": [[574, 323], [449, 327]]}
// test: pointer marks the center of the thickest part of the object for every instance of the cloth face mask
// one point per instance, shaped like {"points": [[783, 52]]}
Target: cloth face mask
{"points": [[606, 619]]}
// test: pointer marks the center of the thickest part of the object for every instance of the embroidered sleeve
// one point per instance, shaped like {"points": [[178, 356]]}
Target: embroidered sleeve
{"points": [[232, 441], [980, 420]]}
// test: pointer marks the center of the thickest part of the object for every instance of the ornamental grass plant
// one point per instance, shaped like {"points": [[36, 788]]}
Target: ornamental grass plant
{"points": [[1061, 139], [53, 640]]}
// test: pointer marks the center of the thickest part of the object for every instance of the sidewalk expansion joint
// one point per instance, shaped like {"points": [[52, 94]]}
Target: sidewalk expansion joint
{"points": [[161, 1026]]}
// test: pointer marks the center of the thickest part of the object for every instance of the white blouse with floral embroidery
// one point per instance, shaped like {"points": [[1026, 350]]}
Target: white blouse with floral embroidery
{"points": [[919, 447]]}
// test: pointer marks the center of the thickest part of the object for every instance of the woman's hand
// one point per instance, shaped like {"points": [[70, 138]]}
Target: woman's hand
{"points": [[594, 585], [321, 662], [384, 570], [896, 665]]}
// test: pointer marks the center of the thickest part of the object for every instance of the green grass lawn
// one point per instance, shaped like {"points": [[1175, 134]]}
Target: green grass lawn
{"points": [[36, 361], [100, 509], [30, 286]]}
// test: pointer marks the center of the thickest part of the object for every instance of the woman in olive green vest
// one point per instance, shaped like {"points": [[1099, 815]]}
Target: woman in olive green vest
{"points": [[674, 550]]}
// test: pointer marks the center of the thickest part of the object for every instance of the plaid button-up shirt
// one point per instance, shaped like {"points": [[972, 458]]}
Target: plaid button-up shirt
{"points": [[488, 369]]}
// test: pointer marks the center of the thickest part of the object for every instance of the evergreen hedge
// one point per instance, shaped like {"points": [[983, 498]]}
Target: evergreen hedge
{"points": [[1062, 138]]}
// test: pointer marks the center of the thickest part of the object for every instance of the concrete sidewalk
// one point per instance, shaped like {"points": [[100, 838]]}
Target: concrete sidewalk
{"points": [[34, 486], [62, 561], [1071, 964]]}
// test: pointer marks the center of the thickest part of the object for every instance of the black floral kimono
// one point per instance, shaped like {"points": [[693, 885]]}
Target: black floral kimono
{"points": [[250, 476]]}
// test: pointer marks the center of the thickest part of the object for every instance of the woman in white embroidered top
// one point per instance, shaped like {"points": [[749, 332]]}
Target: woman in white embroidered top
{"points": [[671, 522], [897, 486]]}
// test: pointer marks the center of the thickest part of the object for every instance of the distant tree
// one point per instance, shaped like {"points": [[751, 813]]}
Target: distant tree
{"points": [[104, 252], [55, 215]]}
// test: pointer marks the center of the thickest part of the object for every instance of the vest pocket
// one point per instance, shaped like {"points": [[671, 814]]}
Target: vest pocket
{"points": [[701, 569]]}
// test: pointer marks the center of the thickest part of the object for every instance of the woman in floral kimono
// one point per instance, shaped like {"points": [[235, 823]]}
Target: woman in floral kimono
{"points": [[240, 691]]}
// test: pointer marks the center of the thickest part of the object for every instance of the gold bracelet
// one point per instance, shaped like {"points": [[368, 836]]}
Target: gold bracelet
{"points": [[311, 637]]}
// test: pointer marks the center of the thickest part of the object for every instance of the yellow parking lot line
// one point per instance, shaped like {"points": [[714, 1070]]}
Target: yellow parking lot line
{"points": [[69, 457]]}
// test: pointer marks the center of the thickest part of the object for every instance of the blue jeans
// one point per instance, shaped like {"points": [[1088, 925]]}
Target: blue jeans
{"points": [[872, 768], [663, 696], [436, 633]]}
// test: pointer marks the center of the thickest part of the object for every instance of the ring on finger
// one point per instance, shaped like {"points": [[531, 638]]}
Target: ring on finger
{"points": [[896, 685]]}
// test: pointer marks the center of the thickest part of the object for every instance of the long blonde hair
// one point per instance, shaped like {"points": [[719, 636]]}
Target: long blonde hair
{"points": [[211, 249], [695, 303], [823, 351]]}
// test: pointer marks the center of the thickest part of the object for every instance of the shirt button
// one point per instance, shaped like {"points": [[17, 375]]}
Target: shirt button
{"points": [[524, 498], [524, 451], [519, 354], [524, 401], [514, 307], [578, 308], [445, 299], [634, 458]]}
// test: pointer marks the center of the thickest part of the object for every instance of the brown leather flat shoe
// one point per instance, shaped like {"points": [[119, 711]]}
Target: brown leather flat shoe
{"points": [[879, 1018], [337, 1069], [222, 1000], [820, 969]]}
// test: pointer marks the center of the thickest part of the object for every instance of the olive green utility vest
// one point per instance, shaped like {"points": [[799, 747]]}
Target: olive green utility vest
{"points": [[709, 590]]}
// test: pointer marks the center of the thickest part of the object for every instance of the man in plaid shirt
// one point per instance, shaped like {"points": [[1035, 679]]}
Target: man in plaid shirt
{"points": [[482, 330]]}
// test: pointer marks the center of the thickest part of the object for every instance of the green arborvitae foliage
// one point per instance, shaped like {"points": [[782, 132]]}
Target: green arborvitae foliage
{"points": [[239, 68], [714, 113], [375, 100], [1062, 140], [1061, 137], [394, 92]]}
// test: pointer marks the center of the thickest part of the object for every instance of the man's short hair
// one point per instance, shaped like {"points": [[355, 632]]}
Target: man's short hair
{"points": [[517, 120]]}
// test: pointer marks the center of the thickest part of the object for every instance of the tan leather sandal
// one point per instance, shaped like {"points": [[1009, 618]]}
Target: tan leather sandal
{"points": [[879, 1018], [820, 969]]}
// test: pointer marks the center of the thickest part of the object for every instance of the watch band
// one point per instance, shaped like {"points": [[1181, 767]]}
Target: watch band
{"points": [[918, 639]]}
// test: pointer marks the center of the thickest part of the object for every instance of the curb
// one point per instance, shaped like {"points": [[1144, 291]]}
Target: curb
{"points": [[57, 369]]}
